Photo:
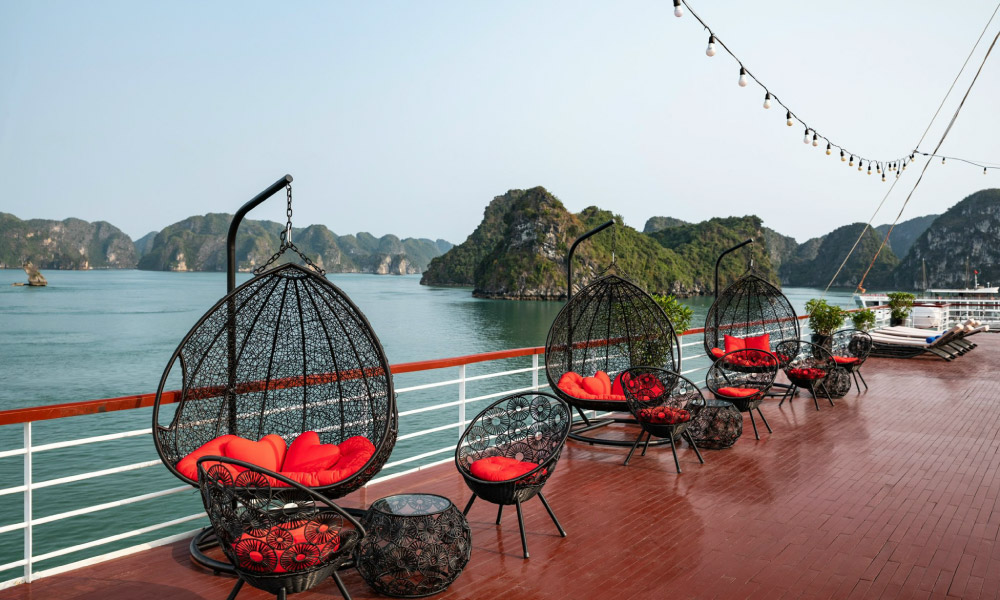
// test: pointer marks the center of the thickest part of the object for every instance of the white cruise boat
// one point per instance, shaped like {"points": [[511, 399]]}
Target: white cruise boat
{"points": [[938, 308]]}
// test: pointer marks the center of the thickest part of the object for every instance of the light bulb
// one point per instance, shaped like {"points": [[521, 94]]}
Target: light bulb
{"points": [[828, 151], [883, 176], [984, 170], [805, 140], [816, 140], [897, 174], [869, 167], [842, 157], [710, 51], [678, 9], [859, 166], [942, 160], [878, 168], [767, 100], [904, 165], [743, 77]]}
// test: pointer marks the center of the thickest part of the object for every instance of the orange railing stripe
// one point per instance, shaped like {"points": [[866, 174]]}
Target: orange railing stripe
{"points": [[90, 407]]}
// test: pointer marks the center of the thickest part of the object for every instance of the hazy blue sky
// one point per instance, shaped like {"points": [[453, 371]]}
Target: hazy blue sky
{"points": [[408, 117]]}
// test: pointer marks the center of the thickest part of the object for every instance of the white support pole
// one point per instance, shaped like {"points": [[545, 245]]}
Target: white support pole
{"points": [[27, 503], [461, 400], [534, 372]]}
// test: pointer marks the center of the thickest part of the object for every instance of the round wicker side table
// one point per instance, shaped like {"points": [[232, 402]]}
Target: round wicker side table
{"points": [[417, 545], [717, 425]]}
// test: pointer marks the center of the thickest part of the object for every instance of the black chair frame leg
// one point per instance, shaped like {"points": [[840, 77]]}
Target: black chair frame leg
{"points": [[340, 586], [520, 524], [236, 589], [693, 445], [754, 423], [826, 391], [282, 595], [812, 390], [499, 513], [646, 446], [763, 418], [551, 514], [634, 446], [862, 379], [465, 512], [673, 448]]}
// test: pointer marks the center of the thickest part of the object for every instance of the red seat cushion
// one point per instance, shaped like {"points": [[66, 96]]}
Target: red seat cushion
{"points": [[500, 468], [645, 387], [803, 373], [355, 452], [733, 343], [737, 392], [269, 452], [188, 466], [664, 415], [280, 550], [307, 454], [573, 384], [718, 352], [616, 386], [845, 360]]}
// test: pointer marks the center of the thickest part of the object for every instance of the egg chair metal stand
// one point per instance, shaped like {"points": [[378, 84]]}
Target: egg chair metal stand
{"points": [[610, 325], [750, 306], [284, 353]]}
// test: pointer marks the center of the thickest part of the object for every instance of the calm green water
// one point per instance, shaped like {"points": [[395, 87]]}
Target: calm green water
{"points": [[102, 334]]}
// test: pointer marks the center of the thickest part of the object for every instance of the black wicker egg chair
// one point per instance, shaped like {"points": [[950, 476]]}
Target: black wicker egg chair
{"points": [[850, 349], [743, 378], [285, 353], [273, 529], [665, 404], [749, 308], [510, 450], [607, 327], [807, 366]]}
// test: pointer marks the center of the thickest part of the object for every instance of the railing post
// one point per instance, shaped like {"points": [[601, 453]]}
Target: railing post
{"points": [[28, 551], [534, 372], [461, 400]]}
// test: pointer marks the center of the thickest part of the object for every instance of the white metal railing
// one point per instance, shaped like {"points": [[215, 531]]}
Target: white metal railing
{"points": [[420, 460]]}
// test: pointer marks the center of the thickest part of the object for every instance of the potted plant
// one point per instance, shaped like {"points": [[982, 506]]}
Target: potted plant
{"points": [[863, 319], [824, 319], [900, 305]]}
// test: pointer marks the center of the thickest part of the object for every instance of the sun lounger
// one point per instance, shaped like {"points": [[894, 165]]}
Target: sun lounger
{"points": [[900, 346]]}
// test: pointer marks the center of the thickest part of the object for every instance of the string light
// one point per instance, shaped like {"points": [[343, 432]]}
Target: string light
{"points": [[878, 168], [769, 99], [869, 167], [828, 149]]}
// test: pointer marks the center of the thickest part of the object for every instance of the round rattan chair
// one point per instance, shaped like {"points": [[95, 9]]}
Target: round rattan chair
{"points": [[281, 537], [850, 349], [608, 326], [749, 307], [807, 366], [743, 378], [664, 404], [510, 450]]}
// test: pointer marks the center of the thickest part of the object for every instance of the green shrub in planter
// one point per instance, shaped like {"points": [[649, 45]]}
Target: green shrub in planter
{"points": [[679, 314], [900, 303], [824, 318], [863, 319]]}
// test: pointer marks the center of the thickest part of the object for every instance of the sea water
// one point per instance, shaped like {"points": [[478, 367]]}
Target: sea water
{"points": [[103, 334]]}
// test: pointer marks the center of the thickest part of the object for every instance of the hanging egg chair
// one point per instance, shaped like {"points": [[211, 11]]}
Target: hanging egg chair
{"points": [[287, 359], [609, 326], [750, 313]]}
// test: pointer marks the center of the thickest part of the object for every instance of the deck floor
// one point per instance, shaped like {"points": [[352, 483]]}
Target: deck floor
{"points": [[890, 494]]}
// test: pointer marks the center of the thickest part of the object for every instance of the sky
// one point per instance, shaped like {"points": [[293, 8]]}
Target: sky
{"points": [[409, 117]]}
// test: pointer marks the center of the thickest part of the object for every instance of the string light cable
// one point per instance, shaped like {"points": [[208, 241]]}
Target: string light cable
{"points": [[812, 134]]}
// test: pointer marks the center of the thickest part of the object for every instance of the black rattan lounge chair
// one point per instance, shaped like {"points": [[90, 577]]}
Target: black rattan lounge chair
{"points": [[664, 403], [510, 450], [281, 537], [285, 353], [743, 378], [749, 308], [807, 366], [850, 349], [607, 327]]}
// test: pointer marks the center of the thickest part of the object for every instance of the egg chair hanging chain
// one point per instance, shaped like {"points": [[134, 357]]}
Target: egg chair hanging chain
{"points": [[286, 242]]}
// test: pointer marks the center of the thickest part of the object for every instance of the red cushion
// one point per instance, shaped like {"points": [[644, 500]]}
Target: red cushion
{"points": [[737, 392], [664, 415], [597, 385], [718, 352], [645, 386], [280, 550], [759, 342], [845, 360], [734, 343], [269, 452], [307, 454], [188, 466], [616, 386], [500, 468], [812, 373], [572, 384], [355, 452]]}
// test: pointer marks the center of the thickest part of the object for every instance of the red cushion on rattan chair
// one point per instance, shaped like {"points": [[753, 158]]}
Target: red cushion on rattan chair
{"points": [[354, 453], [188, 466], [845, 360], [737, 392], [758, 342], [811, 373], [734, 343], [718, 352], [664, 415], [306, 453], [280, 550], [269, 452], [500, 468]]}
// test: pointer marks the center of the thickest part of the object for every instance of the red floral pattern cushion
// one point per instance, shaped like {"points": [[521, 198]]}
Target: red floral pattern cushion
{"points": [[281, 550], [811, 373], [664, 415]]}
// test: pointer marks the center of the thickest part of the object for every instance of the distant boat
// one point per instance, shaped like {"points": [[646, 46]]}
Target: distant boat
{"points": [[940, 307]]}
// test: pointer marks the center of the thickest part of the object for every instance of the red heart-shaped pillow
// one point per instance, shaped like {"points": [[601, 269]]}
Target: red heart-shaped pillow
{"points": [[269, 452], [307, 454]]}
